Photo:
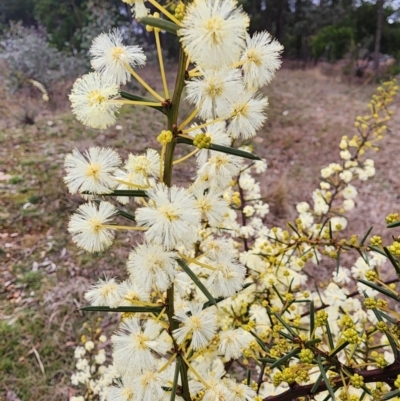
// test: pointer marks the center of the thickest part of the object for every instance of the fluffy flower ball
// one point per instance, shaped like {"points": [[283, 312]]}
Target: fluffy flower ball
{"points": [[91, 171], [172, 216], [92, 100], [89, 228], [213, 32], [111, 58]]}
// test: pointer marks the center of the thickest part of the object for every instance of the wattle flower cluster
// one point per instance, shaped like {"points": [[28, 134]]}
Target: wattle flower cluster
{"points": [[186, 257], [208, 282]]}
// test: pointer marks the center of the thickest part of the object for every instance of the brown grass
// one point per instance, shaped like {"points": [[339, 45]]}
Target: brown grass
{"points": [[320, 111]]}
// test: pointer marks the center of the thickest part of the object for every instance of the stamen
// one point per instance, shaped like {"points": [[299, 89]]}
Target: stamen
{"points": [[160, 59], [143, 82], [188, 119], [203, 125], [137, 102], [185, 157], [115, 227]]}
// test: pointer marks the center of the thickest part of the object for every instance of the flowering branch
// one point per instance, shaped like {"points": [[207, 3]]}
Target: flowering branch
{"points": [[387, 375], [169, 338]]}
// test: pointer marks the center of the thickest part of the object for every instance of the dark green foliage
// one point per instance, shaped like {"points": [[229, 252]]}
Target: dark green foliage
{"points": [[328, 29], [332, 42], [307, 29], [61, 20], [21, 10], [65, 20], [364, 21]]}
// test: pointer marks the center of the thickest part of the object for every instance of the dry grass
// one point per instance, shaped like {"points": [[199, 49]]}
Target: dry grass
{"points": [[319, 110], [43, 275]]}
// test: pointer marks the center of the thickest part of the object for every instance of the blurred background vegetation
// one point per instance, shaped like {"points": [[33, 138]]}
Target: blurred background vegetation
{"points": [[42, 274], [44, 44], [310, 30]]}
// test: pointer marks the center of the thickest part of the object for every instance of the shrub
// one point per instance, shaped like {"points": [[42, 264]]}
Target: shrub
{"points": [[29, 56], [332, 42]]}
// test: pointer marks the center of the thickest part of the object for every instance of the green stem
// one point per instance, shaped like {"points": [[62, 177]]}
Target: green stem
{"points": [[185, 382], [169, 156], [171, 309], [172, 115]]}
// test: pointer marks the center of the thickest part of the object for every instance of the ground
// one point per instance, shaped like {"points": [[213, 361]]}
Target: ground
{"points": [[43, 275]]}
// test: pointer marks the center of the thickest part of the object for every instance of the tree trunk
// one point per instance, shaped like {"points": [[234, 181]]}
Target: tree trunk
{"points": [[279, 20], [378, 35]]}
